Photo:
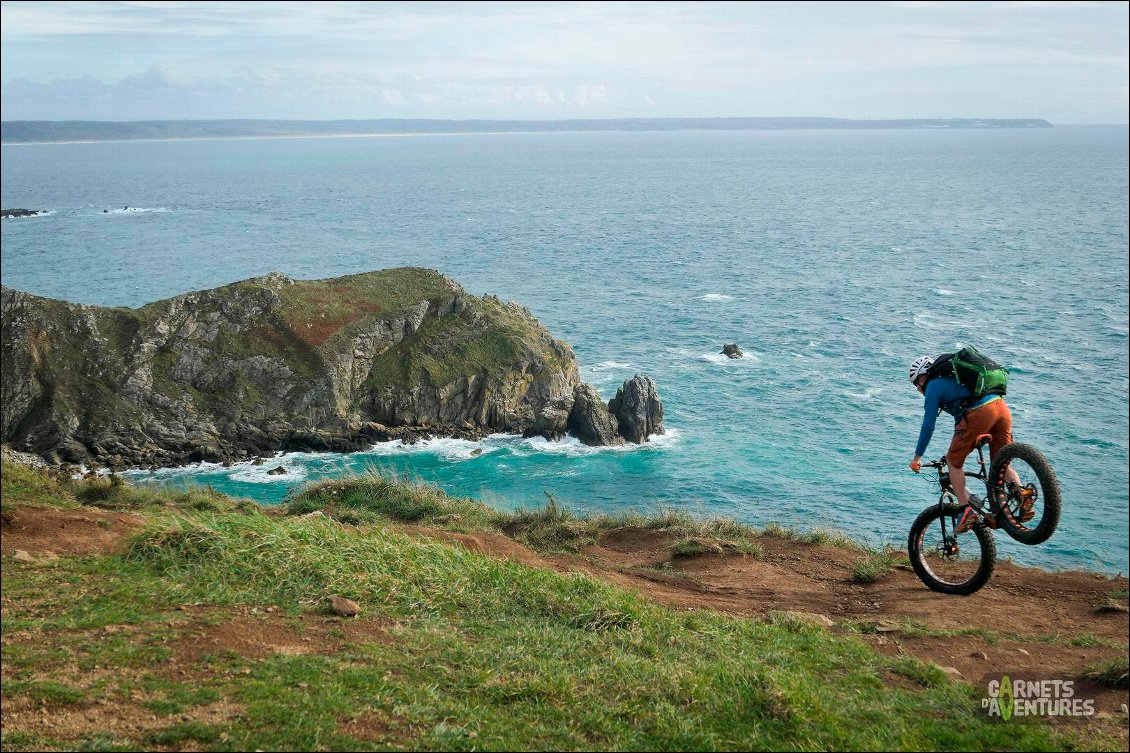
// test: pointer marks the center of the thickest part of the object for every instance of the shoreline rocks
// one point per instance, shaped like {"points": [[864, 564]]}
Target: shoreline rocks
{"points": [[15, 213]]}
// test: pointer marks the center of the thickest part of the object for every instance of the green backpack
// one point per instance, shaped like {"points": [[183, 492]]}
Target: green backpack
{"points": [[978, 373]]}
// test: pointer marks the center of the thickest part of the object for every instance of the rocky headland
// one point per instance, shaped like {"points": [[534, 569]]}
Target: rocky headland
{"points": [[273, 363]]}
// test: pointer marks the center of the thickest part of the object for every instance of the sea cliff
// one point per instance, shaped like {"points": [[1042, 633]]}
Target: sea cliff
{"points": [[273, 363]]}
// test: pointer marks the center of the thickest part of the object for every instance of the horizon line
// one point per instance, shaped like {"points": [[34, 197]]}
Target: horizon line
{"points": [[537, 120]]}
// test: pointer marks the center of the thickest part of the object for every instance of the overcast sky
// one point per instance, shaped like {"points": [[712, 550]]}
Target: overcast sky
{"points": [[1063, 61]]}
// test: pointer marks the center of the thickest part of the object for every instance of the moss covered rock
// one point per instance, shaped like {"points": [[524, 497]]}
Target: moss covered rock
{"points": [[273, 363]]}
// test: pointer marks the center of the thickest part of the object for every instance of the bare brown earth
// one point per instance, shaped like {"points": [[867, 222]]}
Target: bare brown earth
{"points": [[78, 531], [128, 718]]}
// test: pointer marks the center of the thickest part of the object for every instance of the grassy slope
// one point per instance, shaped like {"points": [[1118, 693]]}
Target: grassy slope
{"points": [[483, 653]]}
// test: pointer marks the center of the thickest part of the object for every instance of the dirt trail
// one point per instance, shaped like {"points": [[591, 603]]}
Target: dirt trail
{"points": [[76, 531], [1038, 624]]}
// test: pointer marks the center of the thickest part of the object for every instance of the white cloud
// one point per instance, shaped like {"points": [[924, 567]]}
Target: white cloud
{"points": [[557, 59]]}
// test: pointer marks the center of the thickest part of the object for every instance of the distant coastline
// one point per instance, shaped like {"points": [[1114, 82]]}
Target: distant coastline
{"points": [[72, 131]]}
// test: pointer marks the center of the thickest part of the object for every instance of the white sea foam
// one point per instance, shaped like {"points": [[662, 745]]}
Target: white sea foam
{"points": [[715, 297], [135, 210], [721, 359], [943, 291], [83, 470], [573, 447], [456, 450], [607, 365], [299, 464], [295, 464], [933, 321], [448, 448], [259, 474]]}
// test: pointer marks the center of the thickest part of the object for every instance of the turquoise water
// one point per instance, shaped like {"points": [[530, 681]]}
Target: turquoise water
{"points": [[832, 257]]}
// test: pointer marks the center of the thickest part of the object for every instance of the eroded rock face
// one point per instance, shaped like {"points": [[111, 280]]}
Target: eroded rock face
{"points": [[276, 364], [637, 409], [590, 420]]}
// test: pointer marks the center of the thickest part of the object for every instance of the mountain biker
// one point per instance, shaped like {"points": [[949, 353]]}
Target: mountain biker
{"points": [[987, 415]]}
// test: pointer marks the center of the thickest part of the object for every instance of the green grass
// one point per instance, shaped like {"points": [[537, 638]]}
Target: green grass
{"points": [[34, 486], [693, 548], [45, 692], [479, 653], [926, 674], [185, 731], [111, 492], [914, 629], [484, 339], [1112, 673], [345, 300], [373, 498], [818, 537], [875, 565]]}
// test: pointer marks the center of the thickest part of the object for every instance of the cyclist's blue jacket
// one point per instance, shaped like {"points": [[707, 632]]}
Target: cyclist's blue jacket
{"points": [[944, 394]]}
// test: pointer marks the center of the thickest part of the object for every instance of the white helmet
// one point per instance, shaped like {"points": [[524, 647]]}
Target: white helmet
{"points": [[920, 366]]}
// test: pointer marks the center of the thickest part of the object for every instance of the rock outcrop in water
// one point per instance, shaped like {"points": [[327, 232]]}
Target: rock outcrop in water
{"points": [[5, 213], [731, 350], [273, 363], [633, 415], [639, 414], [590, 420]]}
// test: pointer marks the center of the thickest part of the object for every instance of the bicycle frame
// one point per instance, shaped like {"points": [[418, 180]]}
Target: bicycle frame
{"points": [[982, 473]]}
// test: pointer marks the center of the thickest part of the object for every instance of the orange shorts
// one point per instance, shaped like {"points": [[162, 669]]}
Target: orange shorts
{"points": [[991, 418]]}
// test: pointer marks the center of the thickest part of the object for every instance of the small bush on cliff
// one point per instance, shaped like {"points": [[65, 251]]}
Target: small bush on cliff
{"points": [[35, 486], [875, 565], [1113, 673], [552, 528], [372, 497], [112, 493]]}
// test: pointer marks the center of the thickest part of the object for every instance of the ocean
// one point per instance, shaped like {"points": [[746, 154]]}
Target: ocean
{"points": [[833, 258]]}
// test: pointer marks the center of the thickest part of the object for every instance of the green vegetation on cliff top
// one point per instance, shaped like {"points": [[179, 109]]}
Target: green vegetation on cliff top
{"points": [[316, 310], [484, 335], [237, 356], [453, 650], [473, 342]]}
